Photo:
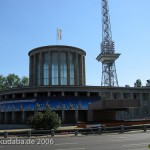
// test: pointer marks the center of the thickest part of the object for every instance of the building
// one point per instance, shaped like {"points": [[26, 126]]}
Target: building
{"points": [[57, 80]]}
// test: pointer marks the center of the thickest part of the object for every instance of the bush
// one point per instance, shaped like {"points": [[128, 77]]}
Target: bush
{"points": [[46, 121]]}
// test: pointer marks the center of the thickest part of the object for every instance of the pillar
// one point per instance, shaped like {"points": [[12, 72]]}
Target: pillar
{"points": [[80, 75], [111, 95], [68, 67], [49, 94], [90, 115], [76, 70], [99, 94], [141, 104], [23, 116], [84, 75], [13, 116], [76, 116], [50, 68], [34, 77], [63, 116], [88, 94], [41, 68], [35, 94], [5, 117], [0, 117], [23, 95], [6, 96], [31, 70], [76, 93], [13, 96], [62, 94], [59, 79]]}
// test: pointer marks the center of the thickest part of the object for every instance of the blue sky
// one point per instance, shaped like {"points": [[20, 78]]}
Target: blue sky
{"points": [[27, 24]]}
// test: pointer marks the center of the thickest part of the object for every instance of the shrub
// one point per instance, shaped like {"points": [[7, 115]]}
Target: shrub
{"points": [[46, 121]]}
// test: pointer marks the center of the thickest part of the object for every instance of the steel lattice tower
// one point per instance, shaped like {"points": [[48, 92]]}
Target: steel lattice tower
{"points": [[107, 56]]}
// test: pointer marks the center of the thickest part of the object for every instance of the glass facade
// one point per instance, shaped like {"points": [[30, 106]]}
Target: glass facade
{"points": [[38, 69], [79, 69], [63, 68], [46, 69], [54, 68], [72, 68], [57, 65]]}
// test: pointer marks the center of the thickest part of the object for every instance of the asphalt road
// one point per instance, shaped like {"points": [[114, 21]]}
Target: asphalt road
{"points": [[131, 141]]}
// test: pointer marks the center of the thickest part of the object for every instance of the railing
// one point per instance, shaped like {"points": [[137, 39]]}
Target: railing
{"points": [[99, 130]]}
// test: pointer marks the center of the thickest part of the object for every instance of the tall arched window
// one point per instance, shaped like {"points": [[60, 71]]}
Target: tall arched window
{"points": [[54, 68], [46, 69]]}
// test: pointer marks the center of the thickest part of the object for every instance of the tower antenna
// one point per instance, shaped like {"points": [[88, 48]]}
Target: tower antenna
{"points": [[107, 56]]}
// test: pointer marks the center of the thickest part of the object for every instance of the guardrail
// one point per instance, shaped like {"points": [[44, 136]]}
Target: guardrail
{"points": [[86, 131]]}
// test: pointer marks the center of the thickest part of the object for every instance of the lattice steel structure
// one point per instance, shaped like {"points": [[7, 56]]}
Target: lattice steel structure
{"points": [[107, 56]]}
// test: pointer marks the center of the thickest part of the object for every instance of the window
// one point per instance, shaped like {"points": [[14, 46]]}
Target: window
{"points": [[63, 68], [46, 69], [54, 68], [72, 68], [37, 69]]}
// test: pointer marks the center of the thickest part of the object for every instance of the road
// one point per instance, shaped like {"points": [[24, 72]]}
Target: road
{"points": [[126, 141]]}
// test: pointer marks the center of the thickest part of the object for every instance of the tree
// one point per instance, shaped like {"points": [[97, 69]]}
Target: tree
{"points": [[138, 83], [12, 80], [2, 82], [24, 81], [47, 120]]}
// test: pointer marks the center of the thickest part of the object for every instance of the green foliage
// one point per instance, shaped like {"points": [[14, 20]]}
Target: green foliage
{"points": [[2, 82], [24, 81], [36, 120], [138, 83], [12, 81], [46, 121]]}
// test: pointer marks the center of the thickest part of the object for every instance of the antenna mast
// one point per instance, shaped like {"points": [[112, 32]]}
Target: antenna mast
{"points": [[107, 56]]}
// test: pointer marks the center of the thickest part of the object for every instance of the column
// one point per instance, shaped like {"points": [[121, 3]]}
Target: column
{"points": [[6, 96], [23, 95], [62, 93], [13, 116], [99, 94], [90, 115], [76, 116], [0, 117], [68, 67], [23, 116], [31, 69], [50, 68], [34, 78], [63, 116], [35, 94], [111, 95], [88, 94], [132, 109], [59, 82], [76, 93], [121, 96], [76, 70], [5, 117], [49, 94], [141, 104], [13, 96], [84, 75], [80, 76]]}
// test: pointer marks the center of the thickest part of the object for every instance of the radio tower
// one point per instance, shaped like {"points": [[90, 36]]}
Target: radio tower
{"points": [[107, 56]]}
